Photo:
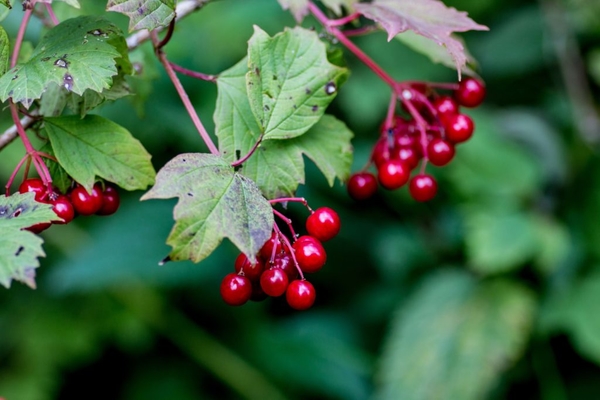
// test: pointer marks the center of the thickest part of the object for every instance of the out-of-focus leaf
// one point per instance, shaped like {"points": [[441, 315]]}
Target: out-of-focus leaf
{"points": [[338, 6], [454, 338], [4, 51], [554, 244], [428, 18], [594, 64], [298, 8], [144, 14]]}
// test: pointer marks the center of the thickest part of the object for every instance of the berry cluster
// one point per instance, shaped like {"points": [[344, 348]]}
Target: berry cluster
{"points": [[76, 202], [280, 265], [434, 127]]}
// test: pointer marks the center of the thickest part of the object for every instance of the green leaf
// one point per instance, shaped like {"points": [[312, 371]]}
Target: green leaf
{"points": [[95, 146], [4, 51], [5, 3], [454, 337], [499, 240], [60, 179], [277, 166], [290, 82], [144, 14], [77, 54], [20, 249], [436, 53], [214, 202]]}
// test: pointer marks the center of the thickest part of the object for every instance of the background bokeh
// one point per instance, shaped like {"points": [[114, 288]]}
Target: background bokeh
{"points": [[491, 290]]}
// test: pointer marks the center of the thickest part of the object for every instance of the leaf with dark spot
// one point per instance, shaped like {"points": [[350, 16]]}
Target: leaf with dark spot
{"points": [[225, 204], [144, 14]]}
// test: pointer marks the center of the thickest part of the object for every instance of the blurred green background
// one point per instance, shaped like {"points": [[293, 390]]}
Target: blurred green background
{"points": [[489, 291]]}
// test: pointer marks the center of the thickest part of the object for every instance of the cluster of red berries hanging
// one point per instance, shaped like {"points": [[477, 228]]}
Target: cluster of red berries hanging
{"points": [[76, 202], [281, 264], [434, 127]]}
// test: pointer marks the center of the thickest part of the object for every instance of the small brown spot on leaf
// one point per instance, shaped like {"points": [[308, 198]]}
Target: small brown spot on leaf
{"points": [[19, 250], [314, 108]]}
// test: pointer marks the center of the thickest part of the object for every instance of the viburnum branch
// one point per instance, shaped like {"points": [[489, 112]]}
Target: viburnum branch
{"points": [[287, 221], [343, 21], [391, 111], [239, 162], [193, 74], [20, 35], [421, 123], [15, 172], [51, 14], [287, 243], [184, 97], [293, 200]]}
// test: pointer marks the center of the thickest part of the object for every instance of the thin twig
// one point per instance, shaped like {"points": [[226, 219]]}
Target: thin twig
{"points": [[11, 133]]}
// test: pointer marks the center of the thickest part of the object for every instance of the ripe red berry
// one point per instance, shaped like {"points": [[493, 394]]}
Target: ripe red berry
{"points": [[459, 128], [243, 266], [110, 201], [422, 187], [381, 152], [393, 174], [35, 185], [470, 92], [274, 282], [283, 261], [408, 155], [236, 289], [310, 254], [300, 294], [87, 203], [63, 208], [362, 185], [445, 106], [323, 224], [440, 152], [273, 244]]}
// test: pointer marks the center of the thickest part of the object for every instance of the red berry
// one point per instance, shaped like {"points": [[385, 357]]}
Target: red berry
{"points": [[236, 289], [362, 185], [310, 254], [408, 155], [393, 174], [266, 252], [274, 282], [63, 208], [284, 262], [381, 152], [243, 266], [110, 201], [440, 152], [470, 92], [459, 128], [323, 224], [300, 294], [87, 203], [422, 187], [35, 185], [445, 106]]}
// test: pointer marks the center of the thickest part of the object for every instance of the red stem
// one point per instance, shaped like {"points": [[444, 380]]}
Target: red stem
{"points": [[185, 99], [193, 74], [14, 174], [249, 154], [51, 14], [20, 36], [343, 21], [292, 199], [287, 221], [289, 245]]}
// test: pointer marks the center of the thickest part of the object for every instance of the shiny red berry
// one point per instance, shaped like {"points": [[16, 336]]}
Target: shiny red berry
{"points": [[35, 185], [459, 128], [381, 152], [274, 282], [310, 254], [300, 294], [445, 107], [87, 203], [408, 155], [440, 152], [243, 266], [236, 289], [284, 262], [362, 185], [110, 201], [63, 208], [393, 174], [323, 224], [470, 92], [272, 246], [422, 187]]}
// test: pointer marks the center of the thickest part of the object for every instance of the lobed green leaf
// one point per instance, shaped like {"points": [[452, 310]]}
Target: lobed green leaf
{"points": [[289, 81], [144, 14], [93, 147], [214, 202], [78, 54]]}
